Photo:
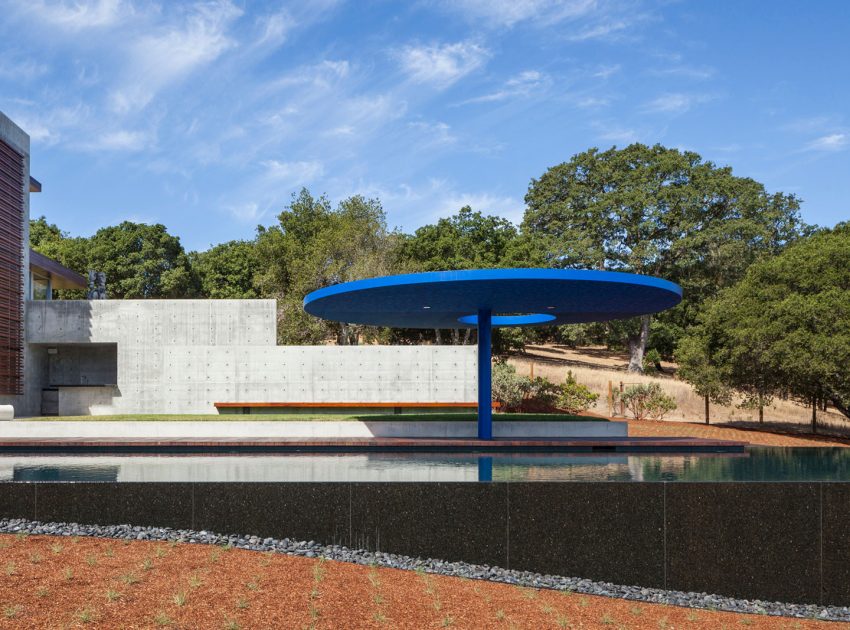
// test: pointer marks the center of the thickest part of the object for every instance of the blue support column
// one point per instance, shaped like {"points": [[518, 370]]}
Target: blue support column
{"points": [[485, 369]]}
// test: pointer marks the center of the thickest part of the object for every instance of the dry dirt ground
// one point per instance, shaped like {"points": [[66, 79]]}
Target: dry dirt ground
{"points": [[596, 367], [56, 582]]}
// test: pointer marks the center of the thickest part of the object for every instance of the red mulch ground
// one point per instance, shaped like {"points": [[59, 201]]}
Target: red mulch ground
{"points": [[56, 582], [648, 428]]}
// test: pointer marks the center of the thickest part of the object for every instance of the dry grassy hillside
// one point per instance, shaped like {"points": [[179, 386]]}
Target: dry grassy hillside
{"points": [[596, 366]]}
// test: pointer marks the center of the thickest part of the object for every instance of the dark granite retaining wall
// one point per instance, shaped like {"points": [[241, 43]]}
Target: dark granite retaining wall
{"points": [[774, 541]]}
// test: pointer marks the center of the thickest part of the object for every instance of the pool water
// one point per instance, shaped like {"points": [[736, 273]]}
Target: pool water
{"points": [[755, 464]]}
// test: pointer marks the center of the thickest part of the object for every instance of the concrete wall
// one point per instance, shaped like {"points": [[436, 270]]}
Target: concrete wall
{"points": [[181, 356]]}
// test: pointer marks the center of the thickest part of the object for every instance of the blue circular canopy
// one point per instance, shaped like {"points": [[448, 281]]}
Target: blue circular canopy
{"points": [[515, 297]]}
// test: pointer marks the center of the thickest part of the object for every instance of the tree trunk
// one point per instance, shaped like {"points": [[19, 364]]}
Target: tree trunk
{"points": [[466, 336], [455, 336], [707, 417], [438, 336], [761, 409], [637, 346], [814, 414]]}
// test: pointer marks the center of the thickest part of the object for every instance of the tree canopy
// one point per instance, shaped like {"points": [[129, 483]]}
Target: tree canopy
{"points": [[658, 211], [785, 328]]}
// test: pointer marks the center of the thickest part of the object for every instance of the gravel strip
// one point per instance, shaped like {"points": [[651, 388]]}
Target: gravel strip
{"points": [[312, 549]]}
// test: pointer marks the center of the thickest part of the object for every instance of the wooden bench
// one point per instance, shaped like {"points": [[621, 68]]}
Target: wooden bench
{"points": [[397, 407]]}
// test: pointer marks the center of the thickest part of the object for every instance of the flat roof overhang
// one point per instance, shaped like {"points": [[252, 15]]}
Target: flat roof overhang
{"points": [[61, 276]]}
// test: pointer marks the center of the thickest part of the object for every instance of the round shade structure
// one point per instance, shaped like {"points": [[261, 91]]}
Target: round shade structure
{"points": [[515, 297], [483, 298]]}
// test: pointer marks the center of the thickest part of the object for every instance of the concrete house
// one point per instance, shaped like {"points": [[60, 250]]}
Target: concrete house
{"points": [[79, 357]]}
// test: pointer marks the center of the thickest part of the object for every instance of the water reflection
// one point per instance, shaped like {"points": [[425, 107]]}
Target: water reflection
{"points": [[756, 464]]}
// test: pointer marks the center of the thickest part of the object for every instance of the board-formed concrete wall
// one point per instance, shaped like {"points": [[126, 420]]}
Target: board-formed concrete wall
{"points": [[181, 356]]}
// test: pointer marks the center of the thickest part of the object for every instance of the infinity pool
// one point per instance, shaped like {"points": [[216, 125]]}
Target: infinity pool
{"points": [[755, 464]]}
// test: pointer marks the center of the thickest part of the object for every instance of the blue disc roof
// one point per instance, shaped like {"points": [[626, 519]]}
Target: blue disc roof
{"points": [[516, 297]]}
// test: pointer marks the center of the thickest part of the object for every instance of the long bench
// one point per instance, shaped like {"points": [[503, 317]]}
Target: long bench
{"points": [[341, 407]]}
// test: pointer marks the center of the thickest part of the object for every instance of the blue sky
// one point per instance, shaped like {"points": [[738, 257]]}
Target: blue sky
{"points": [[206, 116]]}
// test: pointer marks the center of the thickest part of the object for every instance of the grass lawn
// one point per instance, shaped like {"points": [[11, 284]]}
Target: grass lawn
{"points": [[319, 417]]}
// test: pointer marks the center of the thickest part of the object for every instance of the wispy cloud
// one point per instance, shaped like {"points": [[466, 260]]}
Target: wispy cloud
{"points": [[119, 140], [522, 84], [507, 13], [675, 103], [508, 207], [293, 173], [162, 58], [685, 71], [77, 15], [829, 142], [441, 64]]}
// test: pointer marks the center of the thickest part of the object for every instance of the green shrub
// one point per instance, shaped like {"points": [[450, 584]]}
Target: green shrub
{"points": [[575, 397], [651, 361], [646, 400], [543, 391], [509, 388]]}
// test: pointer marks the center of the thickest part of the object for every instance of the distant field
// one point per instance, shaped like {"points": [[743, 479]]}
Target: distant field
{"points": [[595, 367], [304, 417]]}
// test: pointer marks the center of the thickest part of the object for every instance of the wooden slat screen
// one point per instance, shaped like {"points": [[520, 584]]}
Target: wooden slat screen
{"points": [[11, 270]]}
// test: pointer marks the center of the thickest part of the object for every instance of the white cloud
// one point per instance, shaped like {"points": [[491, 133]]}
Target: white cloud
{"points": [[293, 173], [274, 28], [617, 135], [77, 15], [675, 103], [606, 72], [248, 212], [435, 134], [605, 30], [162, 58], [120, 140], [509, 208], [510, 12], [829, 142], [688, 72], [520, 85], [442, 64]]}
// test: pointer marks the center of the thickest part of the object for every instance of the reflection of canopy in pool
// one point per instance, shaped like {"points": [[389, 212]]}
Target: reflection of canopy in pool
{"points": [[492, 297]]}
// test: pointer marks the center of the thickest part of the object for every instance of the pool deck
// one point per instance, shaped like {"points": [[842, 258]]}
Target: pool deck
{"points": [[267, 445]]}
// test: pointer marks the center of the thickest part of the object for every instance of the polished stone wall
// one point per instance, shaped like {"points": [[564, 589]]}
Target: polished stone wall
{"points": [[782, 541]]}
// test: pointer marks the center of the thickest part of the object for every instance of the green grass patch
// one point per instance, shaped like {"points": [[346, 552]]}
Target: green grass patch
{"points": [[320, 417]]}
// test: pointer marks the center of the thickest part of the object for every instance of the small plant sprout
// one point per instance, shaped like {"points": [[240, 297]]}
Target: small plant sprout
{"points": [[253, 585], [112, 595], [85, 615], [21, 535], [231, 624], [12, 611], [56, 548], [42, 591], [130, 578], [500, 614], [161, 619], [195, 581], [109, 552], [179, 598], [68, 573], [447, 621], [241, 603], [173, 542], [161, 552], [226, 547], [562, 621], [215, 554], [10, 568], [91, 560], [75, 539], [607, 620], [147, 564], [35, 558]]}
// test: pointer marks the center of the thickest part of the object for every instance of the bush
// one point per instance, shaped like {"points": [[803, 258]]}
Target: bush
{"points": [[575, 397], [542, 391], [647, 400], [509, 388], [651, 361]]}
